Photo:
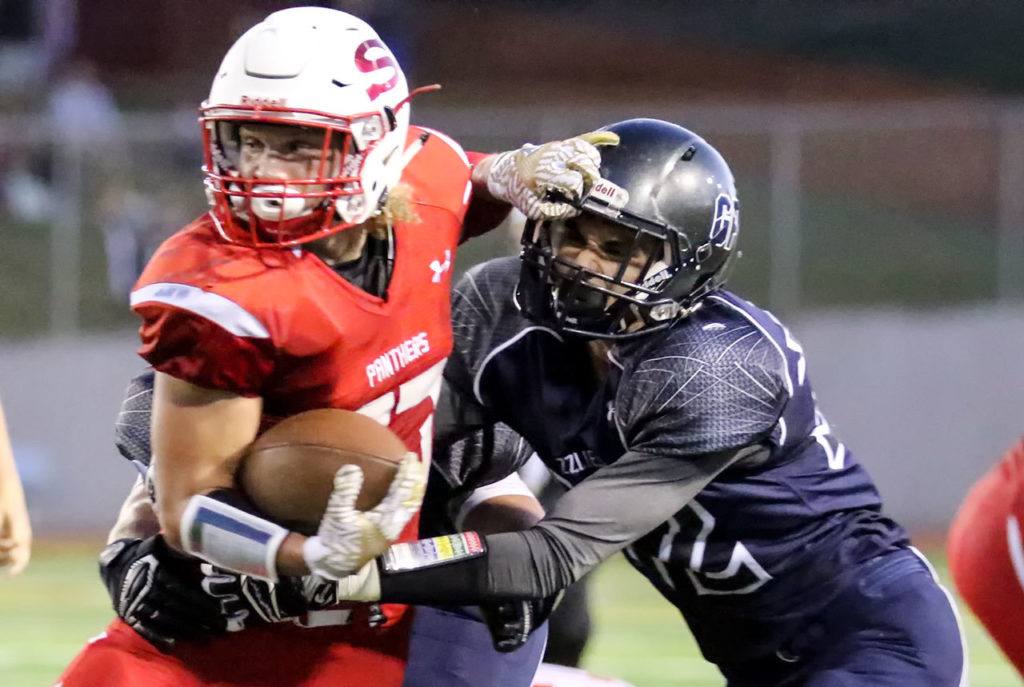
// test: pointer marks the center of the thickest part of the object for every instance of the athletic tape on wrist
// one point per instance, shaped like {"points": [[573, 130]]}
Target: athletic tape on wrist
{"points": [[230, 538], [427, 553]]}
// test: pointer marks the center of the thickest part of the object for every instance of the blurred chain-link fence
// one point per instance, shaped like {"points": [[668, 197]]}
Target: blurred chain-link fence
{"points": [[901, 204]]}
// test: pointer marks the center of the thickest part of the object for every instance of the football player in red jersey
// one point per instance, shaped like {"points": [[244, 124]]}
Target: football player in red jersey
{"points": [[320, 278], [986, 554]]}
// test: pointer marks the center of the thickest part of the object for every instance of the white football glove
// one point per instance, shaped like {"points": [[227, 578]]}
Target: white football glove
{"points": [[348, 538], [362, 585], [525, 177]]}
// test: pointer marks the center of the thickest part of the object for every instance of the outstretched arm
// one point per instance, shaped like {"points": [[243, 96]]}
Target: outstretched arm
{"points": [[536, 180], [136, 519], [609, 510], [200, 436], [166, 597], [15, 530]]}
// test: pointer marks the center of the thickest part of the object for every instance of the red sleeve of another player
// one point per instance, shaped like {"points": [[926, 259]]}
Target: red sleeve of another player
{"points": [[194, 349], [484, 213]]}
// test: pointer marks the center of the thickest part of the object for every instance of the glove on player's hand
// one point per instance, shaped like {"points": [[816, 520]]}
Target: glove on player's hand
{"points": [[349, 538], [157, 592], [512, 622], [537, 179]]}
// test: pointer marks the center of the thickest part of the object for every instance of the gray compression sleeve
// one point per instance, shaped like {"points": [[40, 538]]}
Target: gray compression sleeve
{"points": [[603, 514], [612, 508]]}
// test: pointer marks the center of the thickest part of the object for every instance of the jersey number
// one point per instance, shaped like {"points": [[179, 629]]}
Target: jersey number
{"points": [[410, 407], [835, 451], [741, 575]]}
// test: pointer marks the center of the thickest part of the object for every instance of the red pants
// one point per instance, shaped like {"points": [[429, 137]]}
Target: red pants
{"points": [[986, 555], [282, 655]]}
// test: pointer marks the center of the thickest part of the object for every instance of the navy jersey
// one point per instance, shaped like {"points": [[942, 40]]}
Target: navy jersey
{"points": [[768, 542]]}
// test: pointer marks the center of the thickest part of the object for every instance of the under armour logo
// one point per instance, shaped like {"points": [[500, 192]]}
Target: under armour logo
{"points": [[439, 267]]}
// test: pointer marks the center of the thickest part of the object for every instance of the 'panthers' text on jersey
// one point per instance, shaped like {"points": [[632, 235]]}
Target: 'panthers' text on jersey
{"points": [[763, 545]]}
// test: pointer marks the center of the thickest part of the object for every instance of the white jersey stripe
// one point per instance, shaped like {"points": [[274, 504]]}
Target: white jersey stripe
{"points": [[956, 615], [216, 308], [1013, 542], [451, 143]]}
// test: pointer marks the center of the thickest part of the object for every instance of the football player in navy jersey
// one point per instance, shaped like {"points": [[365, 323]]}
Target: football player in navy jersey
{"points": [[682, 418]]}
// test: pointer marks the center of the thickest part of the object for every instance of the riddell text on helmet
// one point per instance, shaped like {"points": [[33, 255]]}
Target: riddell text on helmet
{"points": [[263, 101]]}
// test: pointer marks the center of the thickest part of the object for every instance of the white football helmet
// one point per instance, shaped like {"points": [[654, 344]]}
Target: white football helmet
{"points": [[320, 69]]}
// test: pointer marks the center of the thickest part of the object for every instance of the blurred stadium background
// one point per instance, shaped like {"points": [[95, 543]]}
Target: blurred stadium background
{"points": [[879, 151]]}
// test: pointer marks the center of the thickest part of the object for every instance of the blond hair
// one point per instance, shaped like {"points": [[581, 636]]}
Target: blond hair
{"points": [[398, 207]]}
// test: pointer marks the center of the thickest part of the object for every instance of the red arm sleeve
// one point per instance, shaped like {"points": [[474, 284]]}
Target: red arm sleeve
{"points": [[484, 213]]}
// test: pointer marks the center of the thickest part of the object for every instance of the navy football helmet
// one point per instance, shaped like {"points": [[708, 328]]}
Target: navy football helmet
{"points": [[674, 196]]}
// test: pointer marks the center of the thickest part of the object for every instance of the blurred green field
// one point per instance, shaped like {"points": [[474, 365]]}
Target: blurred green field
{"points": [[50, 611]]}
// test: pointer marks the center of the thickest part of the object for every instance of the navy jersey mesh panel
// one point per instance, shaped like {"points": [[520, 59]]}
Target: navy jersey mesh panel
{"points": [[131, 430], [701, 387]]}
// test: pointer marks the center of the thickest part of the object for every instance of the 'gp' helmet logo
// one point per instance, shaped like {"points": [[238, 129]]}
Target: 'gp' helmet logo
{"points": [[724, 226]]}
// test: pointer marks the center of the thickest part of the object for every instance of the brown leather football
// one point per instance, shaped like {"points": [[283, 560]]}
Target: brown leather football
{"points": [[289, 470]]}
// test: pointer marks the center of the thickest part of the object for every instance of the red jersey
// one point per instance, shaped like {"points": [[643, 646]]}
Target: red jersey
{"points": [[986, 552], [281, 324]]}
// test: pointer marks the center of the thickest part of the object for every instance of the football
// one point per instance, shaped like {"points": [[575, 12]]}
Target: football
{"points": [[288, 472]]}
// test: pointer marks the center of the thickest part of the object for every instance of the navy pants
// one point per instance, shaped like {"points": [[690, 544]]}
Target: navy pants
{"points": [[453, 648], [894, 627]]}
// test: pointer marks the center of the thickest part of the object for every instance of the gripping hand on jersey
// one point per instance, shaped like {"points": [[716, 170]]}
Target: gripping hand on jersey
{"points": [[245, 600], [166, 597], [512, 622], [348, 538], [538, 179], [153, 592]]}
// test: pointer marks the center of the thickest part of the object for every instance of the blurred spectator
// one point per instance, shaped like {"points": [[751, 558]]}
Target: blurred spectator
{"points": [[26, 193], [81, 108], [59, 25], [15, 20], [133, 226]]}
